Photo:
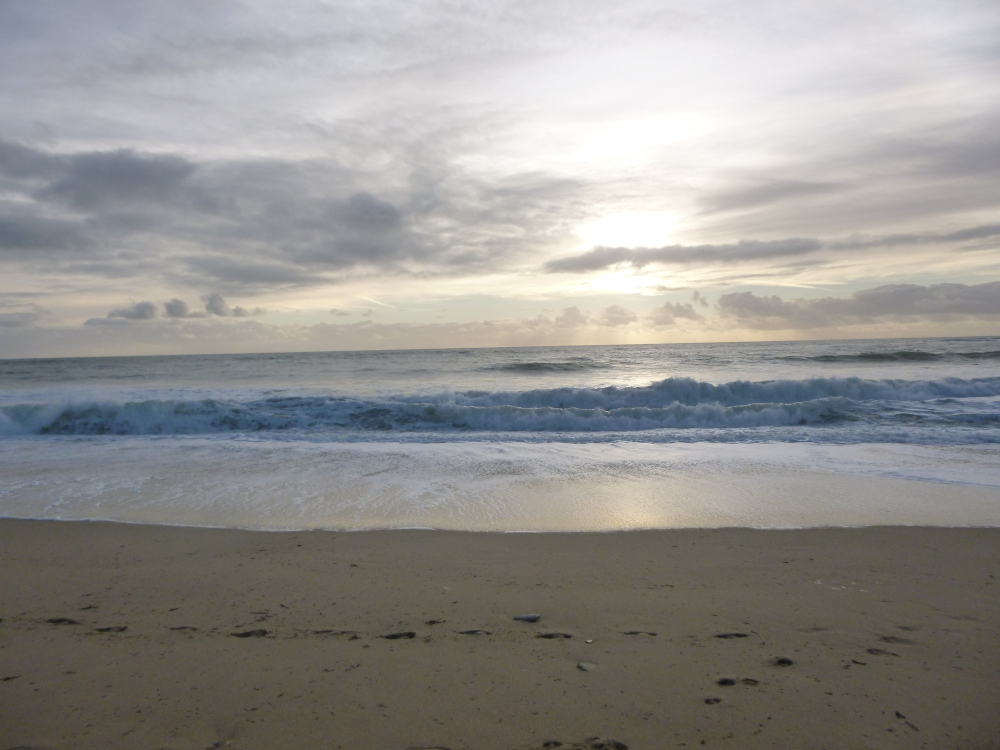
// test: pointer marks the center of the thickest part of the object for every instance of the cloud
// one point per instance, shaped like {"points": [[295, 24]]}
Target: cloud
{"points": [[743, 251], [767, 193], [571, 317], [390, 147], [892, 301], [136, 311], [604, 257], [109, 179], [176, 308], [337, 312], [252, 225], [215, 304], [616, 315], [18, 319], [669, 312], [33, 233]]}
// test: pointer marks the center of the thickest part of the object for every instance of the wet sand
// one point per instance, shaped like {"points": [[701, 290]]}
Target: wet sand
{"points": [[122, 636]]}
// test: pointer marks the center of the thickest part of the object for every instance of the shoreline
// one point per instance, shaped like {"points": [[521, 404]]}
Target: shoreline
{"points": [[498, 532], [877, 622]]}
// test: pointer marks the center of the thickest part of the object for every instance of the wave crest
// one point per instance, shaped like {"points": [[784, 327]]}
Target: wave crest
{"points": [[674, 403]]}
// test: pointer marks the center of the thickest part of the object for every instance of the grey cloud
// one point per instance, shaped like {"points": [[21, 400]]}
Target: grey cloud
{"points": [[752, 250], [669, 312], [243, 273], [18, 319], [366, 212], [215, 304], [251, 225], [34, 233], [767, 193], [95, 180], [337, 312], [985, 231], [136, 311], [176, 308], [892, 301], [605, 257], [21, 162]]}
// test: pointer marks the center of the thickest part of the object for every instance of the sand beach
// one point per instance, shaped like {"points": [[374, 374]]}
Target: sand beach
{"points": [[131, 636]]}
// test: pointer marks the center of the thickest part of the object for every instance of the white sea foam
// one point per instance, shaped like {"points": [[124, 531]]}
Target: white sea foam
{"points": [[496, 486], [563, 438], [674, 403]]}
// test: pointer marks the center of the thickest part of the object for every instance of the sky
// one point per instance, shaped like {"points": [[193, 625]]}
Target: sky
{"points": [[193, 177]]}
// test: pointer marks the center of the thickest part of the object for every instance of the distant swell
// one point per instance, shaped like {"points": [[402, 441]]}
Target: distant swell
{"points": [[673, 403], [542, 367], [900, 356]]}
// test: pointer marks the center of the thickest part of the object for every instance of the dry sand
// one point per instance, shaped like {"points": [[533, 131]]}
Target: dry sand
{"points": [[891, 637]]}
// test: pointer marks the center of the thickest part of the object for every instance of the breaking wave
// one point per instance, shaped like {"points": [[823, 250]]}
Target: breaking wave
{"points": [[545, 367], [898, 356], [674, 403]]}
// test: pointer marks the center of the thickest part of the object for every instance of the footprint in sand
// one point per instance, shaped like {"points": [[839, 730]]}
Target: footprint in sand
{"points": [[259, 633], [348, 634], [591, 743], [897, 639]]}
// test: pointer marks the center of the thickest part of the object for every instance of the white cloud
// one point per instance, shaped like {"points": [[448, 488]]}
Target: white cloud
{"points": [[616, 315]]}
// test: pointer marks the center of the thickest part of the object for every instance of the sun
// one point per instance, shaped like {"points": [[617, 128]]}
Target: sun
{"points": [[629, 229]]}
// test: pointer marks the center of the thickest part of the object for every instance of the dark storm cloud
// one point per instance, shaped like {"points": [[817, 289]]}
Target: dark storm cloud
{"points": [[752, 250], [889, 302]]}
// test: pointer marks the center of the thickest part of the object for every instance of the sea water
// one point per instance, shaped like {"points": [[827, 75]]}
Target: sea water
{"points": [[785, 434]]}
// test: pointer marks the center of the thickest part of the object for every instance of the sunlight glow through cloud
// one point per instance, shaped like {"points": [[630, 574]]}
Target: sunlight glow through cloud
{"points": [[466, 162], [630, 229]]}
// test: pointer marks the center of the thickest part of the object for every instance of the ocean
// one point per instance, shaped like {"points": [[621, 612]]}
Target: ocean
{"points": [[765, 435]]}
